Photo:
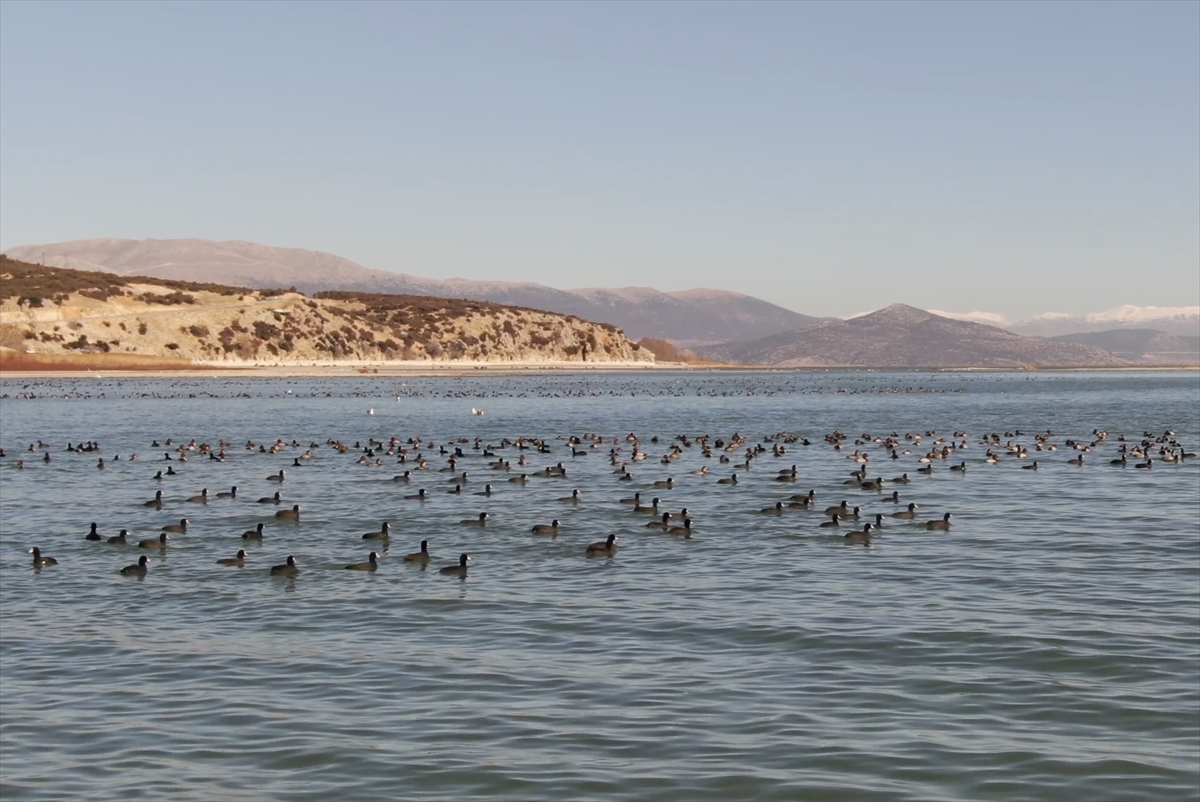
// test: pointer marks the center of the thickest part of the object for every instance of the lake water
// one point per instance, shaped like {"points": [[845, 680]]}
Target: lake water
{"points": [[1046, 647]]}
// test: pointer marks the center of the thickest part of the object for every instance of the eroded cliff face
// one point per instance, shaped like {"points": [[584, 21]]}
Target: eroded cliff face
{"points": [[46, 311]]}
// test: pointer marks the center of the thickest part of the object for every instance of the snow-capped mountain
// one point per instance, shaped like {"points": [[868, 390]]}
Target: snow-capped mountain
{"points": [[1183, 321]]}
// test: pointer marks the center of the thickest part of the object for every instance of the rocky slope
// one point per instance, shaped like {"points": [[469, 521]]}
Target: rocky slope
{"points": [[903, 336], [1147, 346], [688, 317], [56, 311]]}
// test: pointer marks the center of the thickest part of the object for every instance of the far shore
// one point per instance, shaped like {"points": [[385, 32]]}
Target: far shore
{"points": [[81, 366]]}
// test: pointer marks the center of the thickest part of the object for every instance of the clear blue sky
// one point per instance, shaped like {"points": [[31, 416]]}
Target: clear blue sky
{"points": [[1010, 157]]}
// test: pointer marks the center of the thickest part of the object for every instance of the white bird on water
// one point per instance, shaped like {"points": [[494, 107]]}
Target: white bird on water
{"points": [[371, 411], [475, 411]]}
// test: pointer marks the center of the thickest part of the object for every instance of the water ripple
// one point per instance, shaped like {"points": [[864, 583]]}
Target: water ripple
{"points": [[1047, 647]]}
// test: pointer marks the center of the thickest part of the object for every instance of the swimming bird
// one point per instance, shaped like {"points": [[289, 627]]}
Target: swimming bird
{"points": [[93, 534], [159, 542], [840, 509], [119, 539], [288, 568], [732, 479], [684, 531], [487, 491], [776, 510], [382, 534], [232, 493], [636, 499], [603, 548], [1076, 461], [943, 523], [370, 565], [1122, 461], [863, 536], [138, 568], [234, 562], [420, 495], [275, 499], [459, 570], [421, 556], [668, 483], [651, 508], [276, 477], [664, 524], [832, 522], [291, 515], [911, 512], [178, 528], [155, 502], [803, 499], [546, 529], [571, 499], [1030, 467], [39, 561], [253, 534], [1149, 463], [200, 499], [901, 480], [480, 521], [404, 477]]}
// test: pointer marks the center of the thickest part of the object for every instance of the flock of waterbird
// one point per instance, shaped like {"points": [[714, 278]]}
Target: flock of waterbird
{"points": [[509, 460]]}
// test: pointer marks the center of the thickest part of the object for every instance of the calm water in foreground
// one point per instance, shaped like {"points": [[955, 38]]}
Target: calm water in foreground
{"points": [[1047, 647]]}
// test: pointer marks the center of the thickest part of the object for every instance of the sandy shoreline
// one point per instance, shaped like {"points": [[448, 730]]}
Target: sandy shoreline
{"points": [[352, 369], [426, 368]]}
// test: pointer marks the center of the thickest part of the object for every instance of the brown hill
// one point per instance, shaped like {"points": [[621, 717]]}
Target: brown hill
{"points": [[903, 336], [51, 311], [687, 317]]}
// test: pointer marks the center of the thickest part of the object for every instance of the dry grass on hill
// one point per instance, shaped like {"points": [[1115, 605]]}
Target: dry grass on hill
{"points": [[58, 312]]}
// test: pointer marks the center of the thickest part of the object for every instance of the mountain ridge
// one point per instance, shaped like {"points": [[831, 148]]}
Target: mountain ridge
{"points": [[686, 317], [903, 336], [1176, 320], [1147, 346]]}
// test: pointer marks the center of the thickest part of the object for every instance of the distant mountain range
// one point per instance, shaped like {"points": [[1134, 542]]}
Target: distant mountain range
{"points": [[903, 336], [1183, 321], [687, 317], [1141, 345], [726, 326]]}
